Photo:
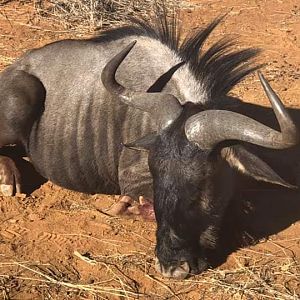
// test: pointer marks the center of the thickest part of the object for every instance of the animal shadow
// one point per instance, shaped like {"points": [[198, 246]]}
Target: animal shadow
{"points": [[256, 213], [260, 209]]}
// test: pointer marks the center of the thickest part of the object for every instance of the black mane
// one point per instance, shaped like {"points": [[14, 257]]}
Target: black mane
{"points": [[219, 68]]}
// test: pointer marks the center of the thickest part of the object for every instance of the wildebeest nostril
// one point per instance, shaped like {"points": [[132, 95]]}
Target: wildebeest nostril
{"points": [[181, 271], [177, 272], [201, 265]]}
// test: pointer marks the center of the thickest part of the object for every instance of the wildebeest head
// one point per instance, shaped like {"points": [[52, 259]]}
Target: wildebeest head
{"points": [[190, 159]]}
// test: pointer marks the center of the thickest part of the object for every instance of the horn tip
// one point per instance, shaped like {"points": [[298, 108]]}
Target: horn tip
{"points": [[131, 45], [264, 82], [261, 76], [128, 48]]}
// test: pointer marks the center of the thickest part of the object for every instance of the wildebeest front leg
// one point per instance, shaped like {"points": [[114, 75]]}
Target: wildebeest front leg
{"points": [[10, 179], [136, 186], [22, 98], [127, 206]]}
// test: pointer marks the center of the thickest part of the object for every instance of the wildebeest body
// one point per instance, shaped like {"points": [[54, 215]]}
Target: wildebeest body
{"points": [[73, 103], [77, 141]]}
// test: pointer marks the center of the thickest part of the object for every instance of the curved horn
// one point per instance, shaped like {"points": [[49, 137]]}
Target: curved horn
{"points": [[289, 130], [165, 107], [162, 81], [109, 72], [211, 127]]}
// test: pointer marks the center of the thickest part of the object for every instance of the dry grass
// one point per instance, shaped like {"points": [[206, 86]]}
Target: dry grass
{"points": [[255, 275], [90, 15], [81, 17], [269, 270]]}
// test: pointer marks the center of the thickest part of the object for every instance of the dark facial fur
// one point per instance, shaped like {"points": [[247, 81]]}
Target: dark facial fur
{"points": [[186, 181]]}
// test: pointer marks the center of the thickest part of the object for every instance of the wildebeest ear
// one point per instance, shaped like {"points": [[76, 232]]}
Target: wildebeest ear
{"points": [[248, 163], [144, 143]]}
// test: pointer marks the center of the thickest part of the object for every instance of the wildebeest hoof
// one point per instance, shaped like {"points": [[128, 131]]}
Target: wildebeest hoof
{"points": [[9, 177], [128, 207], [120, 207]]}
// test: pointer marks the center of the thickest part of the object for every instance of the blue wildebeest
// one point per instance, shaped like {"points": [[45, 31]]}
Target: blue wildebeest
{"points": [[73, 103]]}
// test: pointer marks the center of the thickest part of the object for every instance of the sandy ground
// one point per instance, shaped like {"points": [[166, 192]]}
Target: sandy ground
{"points": [[58, 244]]}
